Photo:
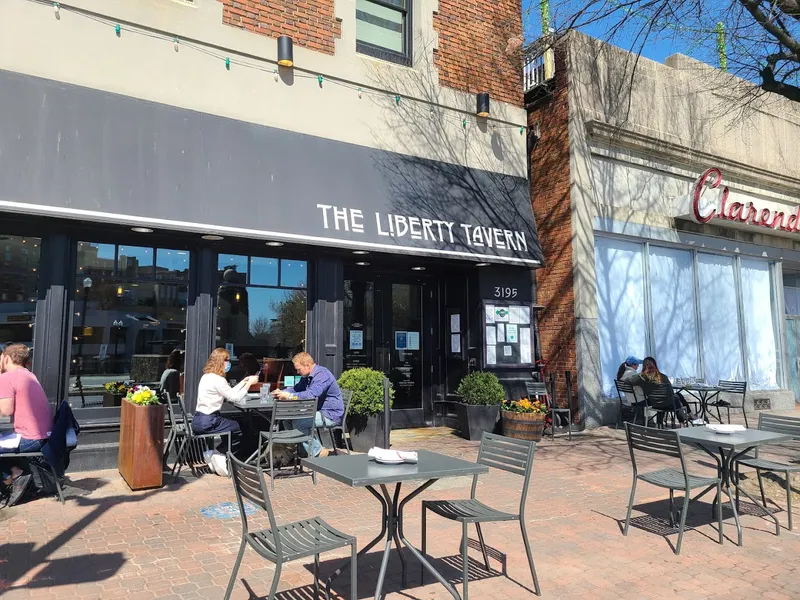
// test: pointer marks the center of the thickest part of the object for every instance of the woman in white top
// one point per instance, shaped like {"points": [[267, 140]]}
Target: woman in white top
{"points": [[212, 392]]}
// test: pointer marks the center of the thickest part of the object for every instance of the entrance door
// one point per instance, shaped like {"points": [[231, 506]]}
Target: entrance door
{"points": [[793, 348], [387, 328]]}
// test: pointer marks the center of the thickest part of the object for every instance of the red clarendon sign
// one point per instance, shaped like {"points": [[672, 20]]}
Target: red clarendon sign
{"points": [[736, 211]]}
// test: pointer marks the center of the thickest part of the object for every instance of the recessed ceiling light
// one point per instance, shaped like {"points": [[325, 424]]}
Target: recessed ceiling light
{"points": [[360, 252], [276, 244], [142, 229], [417, 268], [481, 264], [362, 263], [212, 238]]}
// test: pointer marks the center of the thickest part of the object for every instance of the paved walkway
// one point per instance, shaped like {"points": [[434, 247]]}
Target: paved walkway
{"points": [[181, 541]]}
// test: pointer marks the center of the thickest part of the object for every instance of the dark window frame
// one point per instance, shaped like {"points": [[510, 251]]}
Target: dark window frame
{"points": [[404, 58]]}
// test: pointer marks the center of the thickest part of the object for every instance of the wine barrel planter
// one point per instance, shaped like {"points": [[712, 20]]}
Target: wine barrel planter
{"points": [[523, 426]]}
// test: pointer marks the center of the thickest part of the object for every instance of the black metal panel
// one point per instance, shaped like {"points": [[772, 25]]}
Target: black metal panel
{"points": [[200, 320], [326, 314]]}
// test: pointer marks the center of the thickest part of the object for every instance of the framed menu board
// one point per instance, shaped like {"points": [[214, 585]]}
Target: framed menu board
{"points": [[507, 334]]}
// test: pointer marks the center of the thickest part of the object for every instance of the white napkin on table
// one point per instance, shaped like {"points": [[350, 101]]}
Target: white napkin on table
{"points": [[383, 454], [724, 428]]}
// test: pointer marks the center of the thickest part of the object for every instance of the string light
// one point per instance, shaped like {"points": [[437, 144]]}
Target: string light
{"points": [[397, 100], [117, 29], [228, 63], [57, 10], [175, 44], [319, 80], [359, 93], [276, 74]]}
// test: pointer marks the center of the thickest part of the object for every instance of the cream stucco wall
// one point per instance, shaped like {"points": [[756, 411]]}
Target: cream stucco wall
{"points": [[427, 122]]}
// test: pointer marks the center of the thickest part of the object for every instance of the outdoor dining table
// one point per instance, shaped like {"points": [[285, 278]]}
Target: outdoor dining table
{"points": [[361, 471], [732, 447], [253, 404], [702, 393]]}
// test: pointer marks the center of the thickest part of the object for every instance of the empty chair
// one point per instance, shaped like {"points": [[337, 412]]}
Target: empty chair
{"points": [[736, 390], [667, 443], [284, 412], [347, 396], [511, 455], [545, 393], [775, 424], [284, 543]]}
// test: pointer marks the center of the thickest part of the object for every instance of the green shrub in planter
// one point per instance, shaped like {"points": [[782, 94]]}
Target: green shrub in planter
{"points": [[367, 387], [481, 389]]}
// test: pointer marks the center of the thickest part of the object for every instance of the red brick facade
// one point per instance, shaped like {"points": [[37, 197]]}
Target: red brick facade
{"points": [[311, 23], [479, 47], [550, 195]]}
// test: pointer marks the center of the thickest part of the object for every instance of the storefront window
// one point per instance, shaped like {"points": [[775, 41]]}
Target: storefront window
{"points": [[758, 302], [130, 314], [19, 267], [261, 307]]}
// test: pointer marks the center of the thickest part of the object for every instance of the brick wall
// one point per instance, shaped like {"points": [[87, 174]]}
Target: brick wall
{"points": [[550, 195], [479, 47], [311, 23]]}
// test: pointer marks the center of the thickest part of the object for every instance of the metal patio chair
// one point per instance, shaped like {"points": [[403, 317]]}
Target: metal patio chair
{"points": [[347, 397], [173, 429], [626, 390], [775, 424], [508, 454], [667, 443], [284, 543], [733, 388], [542, 391], [190, 445], [659, 399], [284, 412]]}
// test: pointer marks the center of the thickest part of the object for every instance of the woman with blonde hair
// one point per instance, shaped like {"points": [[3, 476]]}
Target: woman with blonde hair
{"points": [[212, 392]]}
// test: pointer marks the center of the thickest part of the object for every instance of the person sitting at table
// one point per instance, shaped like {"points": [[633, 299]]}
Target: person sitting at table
{"points": [[23, 399], [316, 382], [627, 370], [650, 377], [250, 366], [171, 377], [212, 391]]}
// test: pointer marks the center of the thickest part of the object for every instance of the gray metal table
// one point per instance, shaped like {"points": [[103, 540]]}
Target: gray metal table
{"points": [[360, 471], [731, 447], [702, 393], [253, 403]]}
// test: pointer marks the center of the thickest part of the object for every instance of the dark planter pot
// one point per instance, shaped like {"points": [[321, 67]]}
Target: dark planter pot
{"points": [[474, 420], [366, 432], [110, 399]]}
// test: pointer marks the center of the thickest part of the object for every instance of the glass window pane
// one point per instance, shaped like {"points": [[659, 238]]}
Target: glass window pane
{"points": [[135, 261], [620, 305], [791, 297], [232, 268], [380, 26], [719, 317], [19, 274], [759, 321], [293, 273], [674, 320], [172, 264], [95, 259], [263, 271]]}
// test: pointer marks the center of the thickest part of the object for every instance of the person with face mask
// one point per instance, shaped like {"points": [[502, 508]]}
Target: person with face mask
{"points": [[213, 390]]}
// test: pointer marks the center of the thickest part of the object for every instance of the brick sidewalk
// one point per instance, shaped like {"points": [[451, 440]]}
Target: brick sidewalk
{"points": [[107, 542]]}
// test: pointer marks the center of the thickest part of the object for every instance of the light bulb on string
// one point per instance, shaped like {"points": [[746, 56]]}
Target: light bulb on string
{"points": [[175, 44], [464, 123], [359, 93], [319, 80], [228, 63], [276, 74], [397, 100], [521, 130], [118, 30], [57, 10]]}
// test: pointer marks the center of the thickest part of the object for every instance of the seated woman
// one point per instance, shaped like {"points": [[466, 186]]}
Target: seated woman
{"points": [[250, 366], [171, 377], [650, 377], [212, 392]]}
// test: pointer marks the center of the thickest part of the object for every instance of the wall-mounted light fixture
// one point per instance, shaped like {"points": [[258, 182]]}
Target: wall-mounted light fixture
{"points": [[483, 104], [285, 51]]}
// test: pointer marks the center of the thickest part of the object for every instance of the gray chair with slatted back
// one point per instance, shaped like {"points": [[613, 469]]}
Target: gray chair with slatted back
{"points": [[558, 411], [733, 388], [347, 397], [667, 443], [775, 424], [539, 391], [284, 543], [508, 454], [285, 412], [660, 398], [626, 390]]}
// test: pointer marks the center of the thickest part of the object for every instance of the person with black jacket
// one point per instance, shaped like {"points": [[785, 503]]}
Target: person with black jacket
{"points": [[649, 378]]}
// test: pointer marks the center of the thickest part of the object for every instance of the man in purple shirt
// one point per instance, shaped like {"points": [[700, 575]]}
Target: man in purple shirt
{"points": [[316, 382]]}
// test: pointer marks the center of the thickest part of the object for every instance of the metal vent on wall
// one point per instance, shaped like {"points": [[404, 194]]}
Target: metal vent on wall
{"points": [[762, 404]]}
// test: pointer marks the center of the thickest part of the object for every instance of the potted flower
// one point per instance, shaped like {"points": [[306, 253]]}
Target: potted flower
{"points": [[141, 438], [365, 417], [481, 395], [114, 392], [523, 419]]}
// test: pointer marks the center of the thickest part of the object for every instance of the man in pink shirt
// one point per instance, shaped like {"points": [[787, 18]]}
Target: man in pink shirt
{"points": [[23, 399]]}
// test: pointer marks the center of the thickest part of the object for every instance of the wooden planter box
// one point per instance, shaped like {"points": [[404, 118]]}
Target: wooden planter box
{"points": [[523, 426], [141, 445]]}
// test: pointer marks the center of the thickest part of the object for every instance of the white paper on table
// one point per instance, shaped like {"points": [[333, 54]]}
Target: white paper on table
{"points": [[491, 335], [489, 313], [501, 333], [455, 323], [525, 345], [491, 355], [392, 455], [525, 315], [455, 343], [413, 340], [515, 315], [506, 350], [512, 333]]}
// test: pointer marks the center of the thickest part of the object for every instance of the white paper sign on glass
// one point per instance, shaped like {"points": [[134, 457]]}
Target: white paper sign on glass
{"points": [[455, 323], [491, 355], [455, 343], [515, 315], [489, 313], [512, 335], [356, 339], [491, 335], [501, 314], [412, 339], [506, 350], [525, 315], [525, 345], [501, 333]]}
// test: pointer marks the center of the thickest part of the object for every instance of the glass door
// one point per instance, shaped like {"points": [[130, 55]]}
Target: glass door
{"points": [[793, 348]]}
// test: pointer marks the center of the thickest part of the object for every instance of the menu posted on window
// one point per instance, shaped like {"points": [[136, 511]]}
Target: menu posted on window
{"points": [[507, 336]]}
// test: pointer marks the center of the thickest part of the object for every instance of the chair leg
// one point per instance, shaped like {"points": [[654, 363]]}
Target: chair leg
{"points": [[465, 560], [235, 569], [719, 510], [761, 487], [316, 577], [630, 508], [672, 508], [271, 467], [179, 460], [789, 497], [744, 413], [333, 442], [353, 573], [483, 546], [61, 495], [569, 424], [683, 521], [344, 438], [736, 476], [527, 543], [275, 580], [424, 544]]}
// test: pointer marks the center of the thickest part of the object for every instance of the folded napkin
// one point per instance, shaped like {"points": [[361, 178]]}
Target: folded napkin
{"points": [[723, 428], [392, 455]]}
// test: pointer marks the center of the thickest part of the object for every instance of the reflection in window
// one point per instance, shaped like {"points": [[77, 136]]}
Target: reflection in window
{"points": [[19, 266], [232, 268], [128, 320], [263, 271]]}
